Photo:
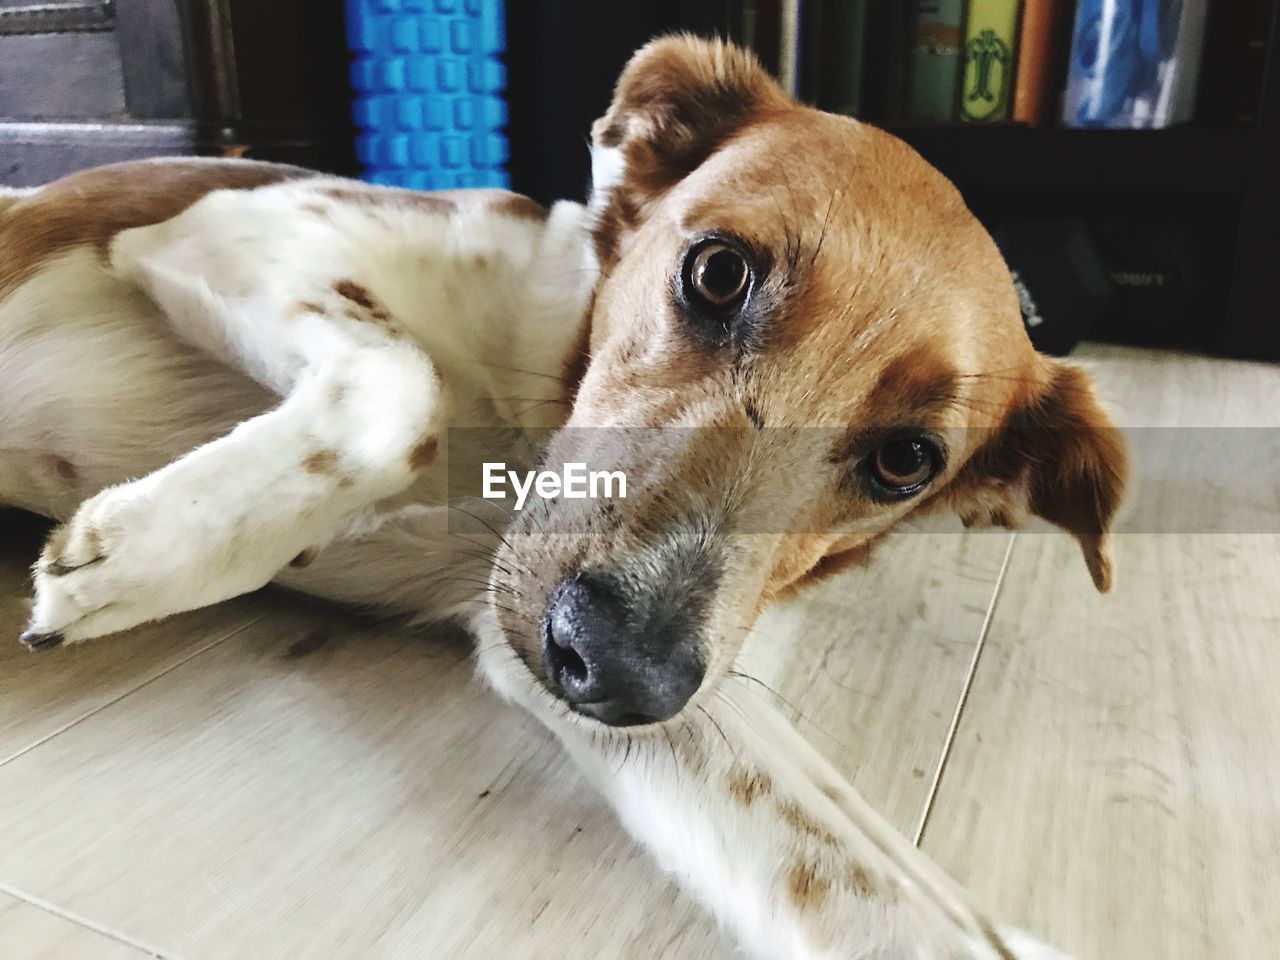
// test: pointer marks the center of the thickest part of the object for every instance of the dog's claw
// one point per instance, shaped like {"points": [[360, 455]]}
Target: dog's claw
{"points": [[40, 641]]}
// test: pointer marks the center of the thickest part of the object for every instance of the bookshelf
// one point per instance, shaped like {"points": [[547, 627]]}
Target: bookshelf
{"points": [[1204, 196]]}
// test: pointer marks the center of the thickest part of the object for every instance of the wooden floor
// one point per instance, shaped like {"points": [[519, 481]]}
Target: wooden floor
{"points": [[271, 778]]}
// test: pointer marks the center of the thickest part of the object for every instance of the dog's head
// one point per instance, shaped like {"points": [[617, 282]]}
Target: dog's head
{"points": [[800, 336]]}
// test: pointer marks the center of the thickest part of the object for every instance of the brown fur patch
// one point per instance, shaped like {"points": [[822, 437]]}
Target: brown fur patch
{"points": [[89, 208], [519, 207], [322, 461], [423, 453], [689, 96], [747, 786], [354, 292], [919, 384], [365, 306], [858, 881], [795, 816], [304, 307], [807, 887], [620, 214], [1059, 456]]}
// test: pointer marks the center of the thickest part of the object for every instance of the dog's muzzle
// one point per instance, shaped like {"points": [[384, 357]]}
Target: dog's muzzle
{"points": [[624, 660]]}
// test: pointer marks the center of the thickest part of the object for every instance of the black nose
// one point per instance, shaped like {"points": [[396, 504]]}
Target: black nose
{"points": [[613, 662]]}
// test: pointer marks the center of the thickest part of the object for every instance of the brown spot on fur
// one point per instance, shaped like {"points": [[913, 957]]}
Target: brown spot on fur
{"points": [[747, 786], [520, 207], [808, 889], [304, 307], [88, 209], [423, 453], [858, 881], [365, 306], [54, 563], [354, 292], [304, 559], [57, 542], [322, 461], [611, 135], [918, 384], [316, 209], [794, 815], [620, 214]]}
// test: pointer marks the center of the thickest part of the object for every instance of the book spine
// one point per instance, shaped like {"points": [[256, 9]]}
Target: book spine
{"points": [[1035, 58], [990, 44], [936, 43]]}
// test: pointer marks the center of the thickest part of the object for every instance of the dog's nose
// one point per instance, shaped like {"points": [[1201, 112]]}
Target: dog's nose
{"points": [[619, 665]]}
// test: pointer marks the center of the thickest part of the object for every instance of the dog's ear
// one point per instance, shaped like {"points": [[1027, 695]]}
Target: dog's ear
{"points": [[678, 99], [1057, 456]]}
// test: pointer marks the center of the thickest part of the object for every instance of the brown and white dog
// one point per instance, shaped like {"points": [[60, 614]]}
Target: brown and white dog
{"points": [[220, 374]]}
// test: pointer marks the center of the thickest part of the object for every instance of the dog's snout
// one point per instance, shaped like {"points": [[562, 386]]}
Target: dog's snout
{"points": [[614, 663]]}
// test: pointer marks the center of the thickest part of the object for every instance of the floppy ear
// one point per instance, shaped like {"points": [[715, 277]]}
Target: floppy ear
{"points": [[1057, 456], [678, 99]]}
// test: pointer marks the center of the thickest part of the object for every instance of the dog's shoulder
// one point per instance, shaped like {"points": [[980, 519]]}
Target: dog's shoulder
{"points": [[90, 208]]}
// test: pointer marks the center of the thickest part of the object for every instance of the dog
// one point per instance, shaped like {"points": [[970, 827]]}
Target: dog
{"points": [[783, 327]]}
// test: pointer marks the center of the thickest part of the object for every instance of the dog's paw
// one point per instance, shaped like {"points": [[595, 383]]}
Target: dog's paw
{"points": [[98, 573]]}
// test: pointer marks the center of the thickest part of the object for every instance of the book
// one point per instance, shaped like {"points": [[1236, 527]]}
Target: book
{"points": [[990, 44], [840, 51], [937, 33], [1038, 41]]}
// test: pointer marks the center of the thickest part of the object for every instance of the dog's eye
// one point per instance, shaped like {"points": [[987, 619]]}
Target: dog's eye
{"points": [[716, 276], [903, 466]]}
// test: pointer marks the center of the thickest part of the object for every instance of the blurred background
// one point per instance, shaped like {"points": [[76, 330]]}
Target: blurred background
{"points": [[1123, 152]]}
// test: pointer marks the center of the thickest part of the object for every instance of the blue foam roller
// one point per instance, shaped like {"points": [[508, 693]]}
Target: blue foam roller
{"points": [[429, 82]]}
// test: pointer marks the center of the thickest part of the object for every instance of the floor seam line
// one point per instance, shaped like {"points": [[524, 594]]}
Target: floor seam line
{"points": [[76, 721], [48, 906], [963, 700]]}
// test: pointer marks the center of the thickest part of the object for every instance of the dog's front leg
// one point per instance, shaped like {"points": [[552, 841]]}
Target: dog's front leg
{"points": [[356, 427], [758, 826]]}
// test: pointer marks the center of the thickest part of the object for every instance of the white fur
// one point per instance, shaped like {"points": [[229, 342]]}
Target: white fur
{"points": [[192, 338]]}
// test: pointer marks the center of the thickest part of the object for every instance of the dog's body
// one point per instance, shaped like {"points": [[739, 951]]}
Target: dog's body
{"points": [[153, 316], [121, 357]]}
